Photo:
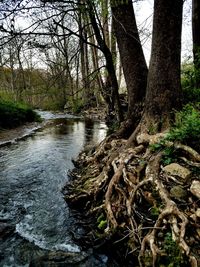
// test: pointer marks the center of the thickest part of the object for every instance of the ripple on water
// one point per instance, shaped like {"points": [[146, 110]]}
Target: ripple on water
{"points": [[32, 173]]}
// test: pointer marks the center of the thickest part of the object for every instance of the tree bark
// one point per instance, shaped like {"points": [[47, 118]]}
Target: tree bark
{"points": [[163, 86], [131, 54], [196, 39]]}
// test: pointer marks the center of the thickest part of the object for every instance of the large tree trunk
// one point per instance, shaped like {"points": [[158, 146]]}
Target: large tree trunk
{"points": [[131, 54], [196, 39], [163, 86]]}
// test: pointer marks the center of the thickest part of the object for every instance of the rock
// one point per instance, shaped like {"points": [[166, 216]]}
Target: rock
{"points": [[198, 232], [178, 192], [198, 212], [69, 259], [178, 170], [89, 149], [195, 188], [6, 230]]}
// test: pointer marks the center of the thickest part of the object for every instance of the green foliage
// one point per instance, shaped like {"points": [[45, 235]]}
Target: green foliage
{"points": [[155, 211], [186, 129], [174, 256], [7, 96], [191, 94], [102, 222], [77, 106], [169, 155], [156, 147], [102, 225], [51, 104], [187, 125], [152, 129], [113, 127], [15, 114], [116, 3]]}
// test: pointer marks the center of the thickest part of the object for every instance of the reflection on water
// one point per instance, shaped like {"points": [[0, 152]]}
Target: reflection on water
{"points": [[32, 173]]}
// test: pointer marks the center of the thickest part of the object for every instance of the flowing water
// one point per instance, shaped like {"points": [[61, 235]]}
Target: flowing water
{"points": [[32, 174]]}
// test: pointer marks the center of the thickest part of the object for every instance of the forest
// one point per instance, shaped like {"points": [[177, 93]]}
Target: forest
{"points": [[139, 188]]}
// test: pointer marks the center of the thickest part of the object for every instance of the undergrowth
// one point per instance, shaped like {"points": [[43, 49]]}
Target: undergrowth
{"points": [[15, 114], [186, 126]]}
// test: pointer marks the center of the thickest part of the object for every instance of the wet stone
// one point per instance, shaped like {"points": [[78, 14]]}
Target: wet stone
{"points": [[178, 192], [195, 188], [69, 259], [177, 170], [6, 230], [198, 212]]}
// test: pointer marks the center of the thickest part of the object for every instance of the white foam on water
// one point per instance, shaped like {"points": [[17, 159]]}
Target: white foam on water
{"points": [[67, 247], [24, 229], [4, 215]]}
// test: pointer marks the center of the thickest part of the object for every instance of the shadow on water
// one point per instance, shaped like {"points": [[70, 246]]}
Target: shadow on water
{"points": [[34, 218]]}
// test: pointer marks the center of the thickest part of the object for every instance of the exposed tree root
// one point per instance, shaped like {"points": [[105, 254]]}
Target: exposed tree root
{"points": [[126, 187]]}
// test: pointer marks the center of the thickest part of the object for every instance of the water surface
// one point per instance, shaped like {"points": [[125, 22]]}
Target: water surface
{"points": [[32, 174]]}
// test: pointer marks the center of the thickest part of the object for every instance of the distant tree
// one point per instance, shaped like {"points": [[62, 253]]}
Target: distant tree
{"points": [[112, 94]]}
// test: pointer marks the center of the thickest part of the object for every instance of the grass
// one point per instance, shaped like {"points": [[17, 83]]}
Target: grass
{"points": [[15, 114]]}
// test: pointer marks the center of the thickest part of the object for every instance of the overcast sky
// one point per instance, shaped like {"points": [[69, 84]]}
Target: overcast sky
{"points": [[144, 16]]}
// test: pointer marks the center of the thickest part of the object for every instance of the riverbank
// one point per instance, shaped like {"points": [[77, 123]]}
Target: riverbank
{"points": [[14, 114], [10, 136], [139, 203]]}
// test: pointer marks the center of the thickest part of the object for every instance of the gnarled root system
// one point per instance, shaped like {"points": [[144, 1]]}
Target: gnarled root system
{"points": [[129, 196]]}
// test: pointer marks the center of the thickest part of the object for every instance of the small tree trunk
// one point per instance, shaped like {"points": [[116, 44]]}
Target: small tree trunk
{"points": [[113, 45], [104, 15], [95, 62], [108, 58]]}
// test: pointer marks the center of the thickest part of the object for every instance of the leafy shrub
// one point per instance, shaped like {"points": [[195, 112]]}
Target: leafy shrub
{"points": [[191, 94], [174, 256], [187, 125], [77, 106], [14, 114]]}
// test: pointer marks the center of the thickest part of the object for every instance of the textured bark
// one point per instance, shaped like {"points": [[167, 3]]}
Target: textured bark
{"points": [[131, 54], [196, 39], [163, 86]]}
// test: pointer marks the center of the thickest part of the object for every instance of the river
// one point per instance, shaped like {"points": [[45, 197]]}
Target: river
{"points": [[33, 214]]}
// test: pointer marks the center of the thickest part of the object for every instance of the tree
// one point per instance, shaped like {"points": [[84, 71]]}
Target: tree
{"points": [[112, 84], [132, 58], [196, 39], [163, 85]]}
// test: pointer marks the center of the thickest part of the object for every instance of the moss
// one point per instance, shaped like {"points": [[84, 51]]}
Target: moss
{"points": [[102, 225], [102, 222]]}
